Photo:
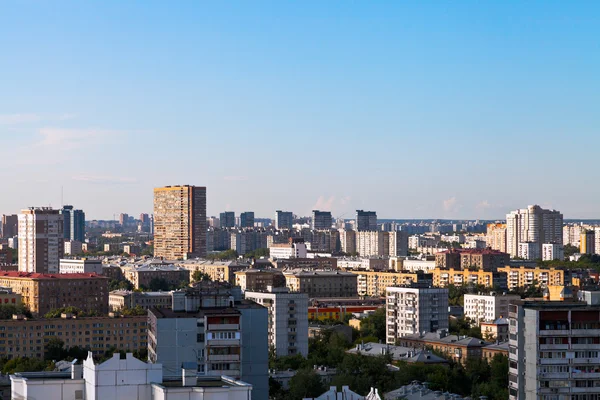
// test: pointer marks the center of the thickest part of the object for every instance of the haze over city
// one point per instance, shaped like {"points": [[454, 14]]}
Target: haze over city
{"points": [[441, 110]]}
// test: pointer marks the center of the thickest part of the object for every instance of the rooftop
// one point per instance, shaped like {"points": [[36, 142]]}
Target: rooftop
{"points": [[206, 381], [472, 251], [35, 275], [438, 337]]}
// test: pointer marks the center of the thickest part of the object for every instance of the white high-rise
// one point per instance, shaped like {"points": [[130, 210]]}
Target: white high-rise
{"points": [[533, 225], [40, 240]]}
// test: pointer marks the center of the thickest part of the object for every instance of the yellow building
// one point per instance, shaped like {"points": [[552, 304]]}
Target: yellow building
{"points": [[587, 242], [526, 276], [457, 277], [373, 283]]}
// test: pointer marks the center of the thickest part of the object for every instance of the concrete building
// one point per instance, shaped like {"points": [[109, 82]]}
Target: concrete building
{"points": [[347, 241], [373, 243], [412, 310], [6, 257], [41, 240], [572, 234], [426, 265], [97, 334], [121, 299], [255, 280], [211, 327], [73, 224], [374, 283], [487, 307], [10, 225], [80, 266], [295, 248], [73, 248], [44, 292], [141, 276], [398, 243], [327, 284], [366, 221], [529, 251], [553, 351], [460, 348], [481, 259], [227, 219], [321, 219], [288, 319], [587, 242], [283, 219], [219, 271], [247, 219], [535, 225], [7, 296], [525, 276], [496, 237], [495, 330], [180, 222], [363, 263], [307, 263], [445, 277], [552, 251]]}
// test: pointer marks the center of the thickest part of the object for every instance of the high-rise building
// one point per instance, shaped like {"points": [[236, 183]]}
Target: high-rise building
{"points": [[74, 224], [496, 237], [398, 243], [366, 220], [123, 219], [10, 226], [321, 219], [411, 310], [553, 350], [533, 225], [529, 251], [587, 242], [247, 219], [552, 251], [227, 219], [347, 241], [180, 222], [487, 307], [40, 240], [373, 243], [284, 219]]}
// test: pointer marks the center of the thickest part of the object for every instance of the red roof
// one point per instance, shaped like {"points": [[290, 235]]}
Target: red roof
{"points": [[35, 275]]}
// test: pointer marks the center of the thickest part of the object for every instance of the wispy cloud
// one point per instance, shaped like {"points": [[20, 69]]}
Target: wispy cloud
{"points": [[450, 204], [323, 203], [238, 178], [106, 180], [14, 119], [73, 138], [483, 205]]}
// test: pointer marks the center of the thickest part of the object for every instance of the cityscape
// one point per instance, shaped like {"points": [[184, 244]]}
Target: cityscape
{"points": [[274, 200]]}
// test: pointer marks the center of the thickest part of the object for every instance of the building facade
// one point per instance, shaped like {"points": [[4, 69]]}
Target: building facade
{"points": [[247, 219], [487, 307], [80, 266], [480, 259], [496, 237], [535, 225], [180, 222], [445, 277], [552, 251], [73, 224], [366, 221], [375, 283], [525, 276], [10, 225], [227, 219], [321, 220], [40, 240], [284, 219], [324, 284], [121, 299]]}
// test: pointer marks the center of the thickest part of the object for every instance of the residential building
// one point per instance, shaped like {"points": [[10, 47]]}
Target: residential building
{"points": [[120, 299], [552, 251], [30, 336], [487, 307], [247, 219], [496, 330], [529, 251], [426, 264], [6, 256], [587, 242], [344, 393], [112, 248], [374, 283], [245, 241], [80, 266], [10, 226], [535, 225], [321, 220], [132, 249], [307, 263], [460, 348], [363, 263], [44, 292], [283, 219], [496, 237], [412, 310], [398, 243], [553, 350], [288, 319], [213, 222], [572, 234], [366, 221], [180, 222], [483, 259], [73, 248], [347, 241], [325, 240], [213, 328], [325, 284], [445, 277], [373, 243], [73, 224], [295, 248], [338, 313], [397, 353], [41, 240], [141, 276], [123, 219], [219, 271], [7, 296], [255, 280], [227, 219], [526, 276]]}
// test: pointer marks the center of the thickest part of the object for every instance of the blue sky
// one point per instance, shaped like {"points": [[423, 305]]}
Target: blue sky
{"points": [[425, 109]]}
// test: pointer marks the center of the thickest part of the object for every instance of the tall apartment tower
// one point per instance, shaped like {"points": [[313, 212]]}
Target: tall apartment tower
{"points": [[587, 242], [123, 219], [366, 220], [227, 219], [413, 310], [74, 224], [284, 219], [247, 219], [321, 219], [496, 237], [533, 225], [10, 225], [41, 240], [180, 222]]}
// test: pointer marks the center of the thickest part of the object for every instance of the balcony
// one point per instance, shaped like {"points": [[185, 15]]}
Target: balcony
{"points": [[223, 342], [554, 375], [584, 346], [224, 327], [585, 332], [557, 332], [585, 361], [554, 346], [234, 373], [553, 361], [228, 357], [585, 375]]}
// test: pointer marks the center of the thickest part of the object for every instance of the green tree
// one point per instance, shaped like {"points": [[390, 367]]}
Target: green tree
{"points": [[57, 312], [8, 310], [306, 383], [374, 325], [198, 276], [55, 350], [137, 310]]}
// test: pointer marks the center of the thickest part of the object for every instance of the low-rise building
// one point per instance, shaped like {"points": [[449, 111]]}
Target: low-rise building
{"points": [[445, 277], [397, 353], [73, 247], [44, 292], [374, 283], [141, 276], [219, 271], [322, 283], [495, 330], [527, 276], [307, 263], [7, 296], [120, 299], [412, 264], [460, 348], [295, 248], [364, 263], [338, 313], [487, 307], [80, 266], [256, 280], [480, 259]]}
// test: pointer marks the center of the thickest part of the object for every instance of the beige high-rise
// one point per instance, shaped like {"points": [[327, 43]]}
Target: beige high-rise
{"points": [[533, 225], [180, 222], [41, 242]]}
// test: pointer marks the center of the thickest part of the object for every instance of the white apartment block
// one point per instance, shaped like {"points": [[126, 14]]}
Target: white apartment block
{"points": [[571, 234], [288, 320], [411, 310], [372, 243], [529, 251], [552, 251], [40, 240], [73, 247], [487, 307], [282, 251], [417, 241], [533, 225], [81, 266], [412, 265], [398, 243]]}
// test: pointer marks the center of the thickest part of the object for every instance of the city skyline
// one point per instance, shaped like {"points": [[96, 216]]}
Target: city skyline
{"points": [[413, 110]]}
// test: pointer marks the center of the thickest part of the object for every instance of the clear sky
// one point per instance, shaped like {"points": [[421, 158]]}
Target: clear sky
{"points": [[425, 109]]}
